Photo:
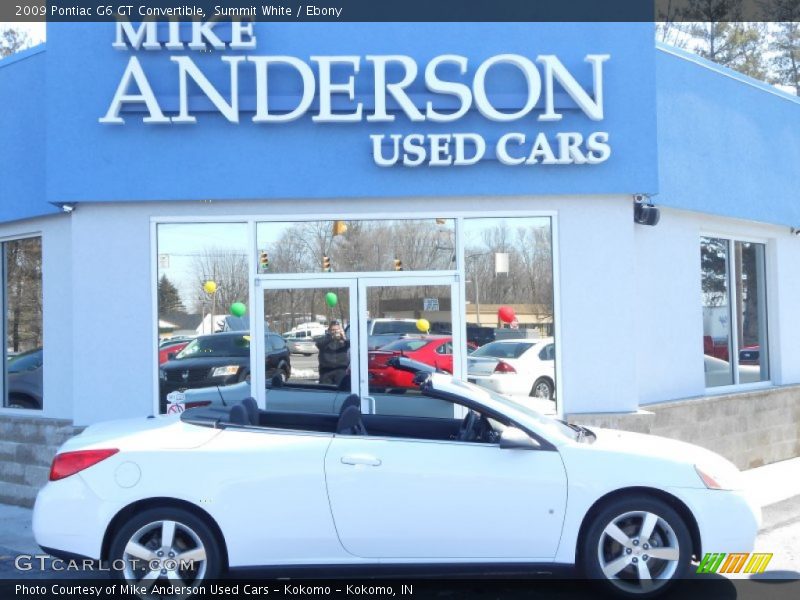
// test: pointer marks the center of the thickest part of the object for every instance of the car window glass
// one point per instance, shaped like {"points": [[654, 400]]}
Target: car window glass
{"points": [[548, 352], [216, 345], [405, 345], [446, 348], [503, 349]]}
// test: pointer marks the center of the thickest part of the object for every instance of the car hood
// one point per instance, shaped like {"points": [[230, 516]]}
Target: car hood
{"points": [[206, 362], [670, 455], [166, 432]]}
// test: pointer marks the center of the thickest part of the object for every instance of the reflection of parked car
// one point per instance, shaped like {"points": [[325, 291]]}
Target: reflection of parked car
{"points": [[504, 486], [25, 380], [750, 355], [718, 372], [382, 331], [518, 367], [220, 359], [436, 351], [169, 351], [304, 345]]}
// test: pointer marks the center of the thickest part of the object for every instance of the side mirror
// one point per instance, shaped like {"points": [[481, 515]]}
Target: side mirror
{"points": [[513, 438], [170, 355]]}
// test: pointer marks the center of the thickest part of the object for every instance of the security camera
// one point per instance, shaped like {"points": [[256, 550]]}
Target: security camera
{"points": [[639, 198], [645, 214], [67, 208], [796, 231]]}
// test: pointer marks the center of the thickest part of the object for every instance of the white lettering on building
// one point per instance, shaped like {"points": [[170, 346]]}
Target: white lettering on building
{"points": [[333, 80]]}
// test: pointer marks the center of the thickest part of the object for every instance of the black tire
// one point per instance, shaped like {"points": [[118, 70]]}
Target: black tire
{"points": [[541, 384], [670, 536], [144, 529]]}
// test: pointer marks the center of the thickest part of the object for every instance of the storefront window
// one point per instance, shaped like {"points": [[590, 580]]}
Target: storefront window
{"points": [[356, 246], [509, 307], [203, 299], [24, 372], [734, 317]]}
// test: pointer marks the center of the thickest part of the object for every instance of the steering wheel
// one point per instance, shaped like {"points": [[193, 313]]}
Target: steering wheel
{"points": [[466, 431]]}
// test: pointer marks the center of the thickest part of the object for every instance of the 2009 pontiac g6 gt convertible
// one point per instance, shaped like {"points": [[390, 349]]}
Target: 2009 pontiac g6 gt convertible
{"points": [[186, 498]]}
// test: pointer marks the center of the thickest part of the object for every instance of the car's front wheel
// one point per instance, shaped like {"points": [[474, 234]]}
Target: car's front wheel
{"points": [[169, 544], [638, 546]]}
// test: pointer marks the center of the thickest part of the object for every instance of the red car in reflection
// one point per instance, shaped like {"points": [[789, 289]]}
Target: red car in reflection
{"points": [[165, 351], [434, 350]]}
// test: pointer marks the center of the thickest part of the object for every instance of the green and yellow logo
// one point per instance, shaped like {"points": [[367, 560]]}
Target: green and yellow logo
{"points": [[736, 562]]}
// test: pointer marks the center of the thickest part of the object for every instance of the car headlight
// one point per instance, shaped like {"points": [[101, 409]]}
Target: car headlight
{"points": [[225, 371], [719, 478], [162, 374]]}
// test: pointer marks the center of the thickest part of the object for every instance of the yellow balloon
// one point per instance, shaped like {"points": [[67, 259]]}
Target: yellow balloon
{"points": [[423, 325], [210, 286]]}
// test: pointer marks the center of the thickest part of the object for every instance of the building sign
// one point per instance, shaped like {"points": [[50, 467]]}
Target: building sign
{"points": [[392, 75]]}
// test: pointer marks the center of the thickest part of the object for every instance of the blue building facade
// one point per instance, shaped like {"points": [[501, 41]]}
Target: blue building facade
{"points": [[119, 135]]}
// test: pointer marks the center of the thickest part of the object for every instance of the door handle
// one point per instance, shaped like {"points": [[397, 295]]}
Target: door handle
{"points": [[361, 459]]}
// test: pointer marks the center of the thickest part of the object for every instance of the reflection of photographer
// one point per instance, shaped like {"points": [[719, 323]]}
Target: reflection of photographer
{"points": [[334, 354]]}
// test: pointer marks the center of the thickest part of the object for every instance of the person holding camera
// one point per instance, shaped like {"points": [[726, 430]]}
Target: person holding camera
{"points": [[334, 354]]}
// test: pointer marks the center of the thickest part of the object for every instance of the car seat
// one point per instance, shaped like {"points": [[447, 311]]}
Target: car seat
{"points": [[350, 422], [251, 407]]}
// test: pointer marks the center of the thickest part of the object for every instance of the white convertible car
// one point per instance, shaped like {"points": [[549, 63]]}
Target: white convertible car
{"points": [[185, 498]]}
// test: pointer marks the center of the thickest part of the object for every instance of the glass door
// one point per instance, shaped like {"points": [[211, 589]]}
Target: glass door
{"points": [[414, 317], [305, 358]]}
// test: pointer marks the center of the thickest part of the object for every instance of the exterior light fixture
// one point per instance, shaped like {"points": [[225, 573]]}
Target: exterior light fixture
{"points": [[644, 213]]}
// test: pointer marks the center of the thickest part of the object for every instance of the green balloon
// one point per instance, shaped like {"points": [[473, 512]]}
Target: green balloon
{"points": [[238, 309], [331, 299]]}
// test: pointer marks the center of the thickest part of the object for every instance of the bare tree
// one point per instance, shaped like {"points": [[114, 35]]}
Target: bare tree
{"points": [[228, 269], [785, 43], [13, 40]]}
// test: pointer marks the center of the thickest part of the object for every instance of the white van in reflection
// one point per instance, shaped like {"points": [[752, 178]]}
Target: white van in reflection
{"points": [[306, 330]]}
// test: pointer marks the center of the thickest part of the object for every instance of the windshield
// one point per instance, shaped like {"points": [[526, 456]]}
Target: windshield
{"points": [[216, 345], [382, 327], [447, 384], [405, 345], [503, 349]]}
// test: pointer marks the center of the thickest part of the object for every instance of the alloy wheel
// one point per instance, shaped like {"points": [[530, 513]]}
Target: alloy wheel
{"points": [[164, 550], [638, 552]]}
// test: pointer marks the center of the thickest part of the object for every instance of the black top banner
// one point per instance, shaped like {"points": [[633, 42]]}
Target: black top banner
{"points": [[401, 10]]}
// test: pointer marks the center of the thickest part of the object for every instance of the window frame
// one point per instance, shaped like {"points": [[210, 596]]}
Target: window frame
{"points": [[731, 239], [4, 326], [252, 219]]}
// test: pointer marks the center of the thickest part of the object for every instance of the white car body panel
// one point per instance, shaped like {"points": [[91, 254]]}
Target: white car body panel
{"points": [[284, 497], [394, 498]]}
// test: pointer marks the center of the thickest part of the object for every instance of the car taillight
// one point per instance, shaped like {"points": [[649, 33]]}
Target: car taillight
{"points": [[504, 367], [197, 404], [69, 463]]}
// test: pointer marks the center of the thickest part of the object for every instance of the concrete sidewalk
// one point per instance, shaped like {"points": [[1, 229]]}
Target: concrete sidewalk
{"points": [[771, 484]]}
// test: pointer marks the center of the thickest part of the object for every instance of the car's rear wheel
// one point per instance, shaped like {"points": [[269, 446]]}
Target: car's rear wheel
{"points": [[168, 544], [542, 388], [636, 547]]}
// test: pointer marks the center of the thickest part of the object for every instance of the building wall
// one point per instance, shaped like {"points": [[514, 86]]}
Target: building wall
{"points": [[23, 123], [728, 145], [112, 243], [750, 429], [306, 159], [58, 316]]}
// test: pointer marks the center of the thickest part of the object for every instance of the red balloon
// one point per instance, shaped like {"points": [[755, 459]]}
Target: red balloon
{"points": [[506, 314]]}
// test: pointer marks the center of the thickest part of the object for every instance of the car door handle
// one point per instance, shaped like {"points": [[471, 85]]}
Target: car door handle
{"points": [[361, 459]]}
